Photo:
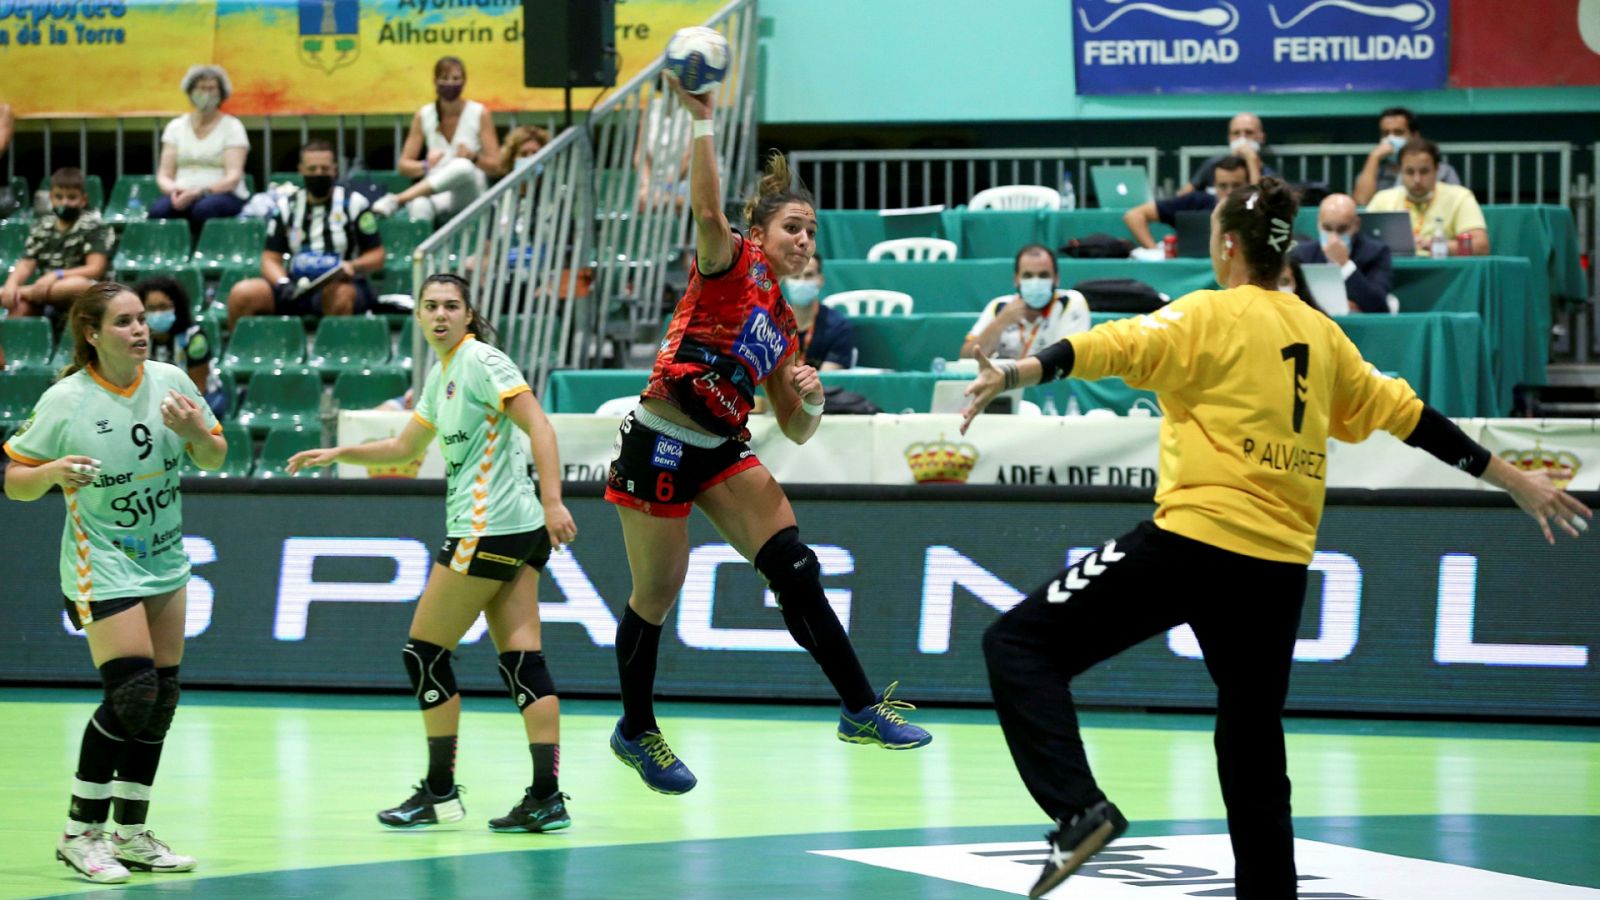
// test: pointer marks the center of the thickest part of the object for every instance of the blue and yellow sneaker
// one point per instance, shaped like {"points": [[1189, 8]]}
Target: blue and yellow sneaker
{"points": [[882, 724], [655, 762]]}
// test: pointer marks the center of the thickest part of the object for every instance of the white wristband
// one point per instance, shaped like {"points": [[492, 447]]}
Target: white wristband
{"points": [[702, 128], [812, 409]]}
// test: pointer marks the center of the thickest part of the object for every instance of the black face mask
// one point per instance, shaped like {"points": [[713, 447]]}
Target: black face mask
{"points": [[319, 185], [68, 214]]}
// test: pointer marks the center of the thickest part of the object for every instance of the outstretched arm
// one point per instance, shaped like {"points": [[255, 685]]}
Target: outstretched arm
{"points": [[713, 235]]}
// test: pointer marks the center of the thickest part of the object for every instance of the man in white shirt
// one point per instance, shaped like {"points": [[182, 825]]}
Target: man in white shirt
{"points": [[1039, 314]]}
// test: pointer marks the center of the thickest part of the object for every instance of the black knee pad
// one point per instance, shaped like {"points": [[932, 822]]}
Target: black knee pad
{"points": [[166, 705], [432, 679], [132, 691], [526, 676], [791, 569]]}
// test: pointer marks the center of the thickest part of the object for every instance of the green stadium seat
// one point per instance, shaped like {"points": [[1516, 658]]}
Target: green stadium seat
{"points": [[294, 178], [231, 276], [96, 191], [13, 243], [403, 355], [366, 390], [230, 243], [24, 198], [130, 199], [152, 245], [282, 397], [241, 454], [393, 180], [400, 237], [263, 343], [283, 442], [19, 391], [349, 344], [27, 343]]}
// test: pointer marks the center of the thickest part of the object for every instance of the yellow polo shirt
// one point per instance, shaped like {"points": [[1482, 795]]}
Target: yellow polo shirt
{"points": [[1452, 203]]}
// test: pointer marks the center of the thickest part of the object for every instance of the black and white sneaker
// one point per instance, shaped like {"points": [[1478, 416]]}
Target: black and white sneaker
{"points": [[1078, 839], [425, 808], [549, 814]]}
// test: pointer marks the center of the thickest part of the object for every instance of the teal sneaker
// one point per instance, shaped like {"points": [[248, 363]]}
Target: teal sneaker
{"points": [[655, 762], [882, 724], [534, 815]]}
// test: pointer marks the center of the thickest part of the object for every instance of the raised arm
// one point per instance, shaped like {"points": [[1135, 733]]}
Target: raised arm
{"points": [[713, 236]]}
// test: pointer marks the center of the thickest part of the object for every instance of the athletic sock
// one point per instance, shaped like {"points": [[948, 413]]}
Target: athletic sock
{"points": [[441, 765], [637, 643], [546, 766], [97, 762]]}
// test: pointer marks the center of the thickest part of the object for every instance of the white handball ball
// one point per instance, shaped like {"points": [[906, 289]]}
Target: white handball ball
{"points": [[699, 57]]}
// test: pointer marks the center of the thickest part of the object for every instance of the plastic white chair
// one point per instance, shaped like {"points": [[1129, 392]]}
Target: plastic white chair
{"points": [[913, 249], [618, 407], [871, 303], [1016, 196]]}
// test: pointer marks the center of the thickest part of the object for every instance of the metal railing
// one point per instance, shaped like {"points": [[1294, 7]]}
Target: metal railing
{"points": [[570, 251], [884, 179], [1508, 172]]}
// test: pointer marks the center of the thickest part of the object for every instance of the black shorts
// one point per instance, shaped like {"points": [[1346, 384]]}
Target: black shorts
{"points": [[661, 473], [310, 303], [99, 609], [496, 556]]}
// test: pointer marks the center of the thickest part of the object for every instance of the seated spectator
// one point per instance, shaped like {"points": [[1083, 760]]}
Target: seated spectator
{"points": [[327, 226], [176, 339], [1433, 206], [451, 146], [201, 173], [827, 339], [1396, 127], [521, 143], [1230, 172], [1364, 261], [70, 247], [1247, 138], [1037, 315]]}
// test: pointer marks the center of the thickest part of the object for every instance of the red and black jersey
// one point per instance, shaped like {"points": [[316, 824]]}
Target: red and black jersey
{"points": [[729, 332]]}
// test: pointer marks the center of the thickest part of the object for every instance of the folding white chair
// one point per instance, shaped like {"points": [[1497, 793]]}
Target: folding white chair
{"points": [[871, 303], [913, 249], [1016, 196]]}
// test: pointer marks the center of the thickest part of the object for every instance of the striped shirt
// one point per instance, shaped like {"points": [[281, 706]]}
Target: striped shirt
{"points": [[319, 236]]}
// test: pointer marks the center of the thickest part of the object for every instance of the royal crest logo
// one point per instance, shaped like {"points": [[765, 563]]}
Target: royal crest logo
{"points": [[941, 461], [1539, 459], [330, 33]]}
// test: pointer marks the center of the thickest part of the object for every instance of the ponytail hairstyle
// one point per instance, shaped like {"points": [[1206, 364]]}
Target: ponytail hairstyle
{"points": [[85, 315], [777, 187], [478, 325], [1262, 215]]}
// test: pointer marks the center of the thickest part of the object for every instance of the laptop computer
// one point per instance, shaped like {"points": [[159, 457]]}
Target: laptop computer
{"points": [[950, 396], [1392, 228], [1194, 233], [1120, 187], [1326, 284]]}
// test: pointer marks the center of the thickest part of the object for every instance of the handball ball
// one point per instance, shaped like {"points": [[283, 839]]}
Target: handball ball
{"points": [[698, 56]]}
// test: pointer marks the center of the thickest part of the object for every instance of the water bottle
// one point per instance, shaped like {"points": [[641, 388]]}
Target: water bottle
{"points": [[1050, 405], [1069, 196], [938, 365], [1073, 409], [135, 205], [1441, 244]]}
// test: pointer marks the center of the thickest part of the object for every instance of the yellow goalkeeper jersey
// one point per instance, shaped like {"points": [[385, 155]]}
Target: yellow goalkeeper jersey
{"points": [[1252, 383]]}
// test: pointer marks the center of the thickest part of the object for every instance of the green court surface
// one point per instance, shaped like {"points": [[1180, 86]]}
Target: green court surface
{"points": [[275, 794]]}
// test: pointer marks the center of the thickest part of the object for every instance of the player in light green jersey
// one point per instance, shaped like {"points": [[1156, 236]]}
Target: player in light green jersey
{"points": [[500, 533], [112, 434]]}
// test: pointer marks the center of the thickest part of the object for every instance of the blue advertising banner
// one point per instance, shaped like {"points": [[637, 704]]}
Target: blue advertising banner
{"points": [[1217, 46]]}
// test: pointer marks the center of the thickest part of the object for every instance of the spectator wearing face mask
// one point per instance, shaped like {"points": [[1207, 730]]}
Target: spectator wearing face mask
{"points": [[326, 228], [201, 173], [1437, 210], [68, 248], [1396, 126], [1038, 315], [1365, 263], [176, 339], [1229, 174], [1247, 139], [827, 339], [451, 145]]}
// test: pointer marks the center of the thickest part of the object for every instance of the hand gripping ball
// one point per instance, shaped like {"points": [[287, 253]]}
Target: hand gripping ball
{"points": [[699, 57]]}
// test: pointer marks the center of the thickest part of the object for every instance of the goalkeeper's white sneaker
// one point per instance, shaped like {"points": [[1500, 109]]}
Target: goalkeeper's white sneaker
{"points": [[148, 853], [91, 855]]}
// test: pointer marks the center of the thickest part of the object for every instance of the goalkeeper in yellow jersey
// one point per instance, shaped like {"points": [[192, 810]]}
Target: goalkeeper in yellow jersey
{"points": [[1252, 382]]}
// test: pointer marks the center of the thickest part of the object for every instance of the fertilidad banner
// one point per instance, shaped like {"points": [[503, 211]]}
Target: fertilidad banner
{"points": [[290, 57], [1262, 46]]}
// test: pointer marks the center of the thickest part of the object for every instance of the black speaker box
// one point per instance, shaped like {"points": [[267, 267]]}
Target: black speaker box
{"points": [[569, 43]]}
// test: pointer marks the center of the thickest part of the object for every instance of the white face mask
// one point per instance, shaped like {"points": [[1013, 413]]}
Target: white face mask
{"points": [[1036, 292], [800, 291], [1395, 143], [1328, 237], [205, 101], [1241, 143]]}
